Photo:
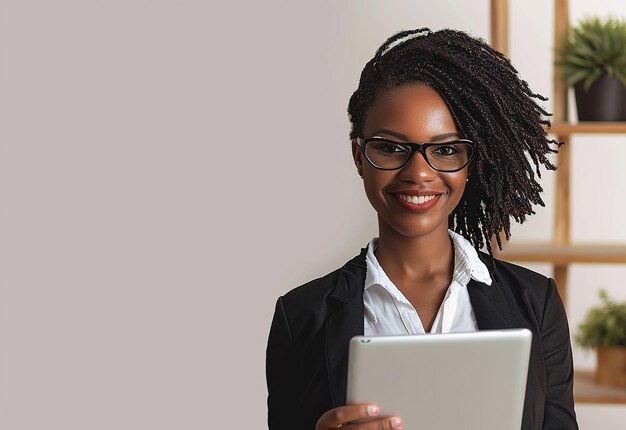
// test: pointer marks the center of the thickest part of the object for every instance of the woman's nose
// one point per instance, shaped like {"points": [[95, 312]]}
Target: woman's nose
{"points": [[417, 169]]}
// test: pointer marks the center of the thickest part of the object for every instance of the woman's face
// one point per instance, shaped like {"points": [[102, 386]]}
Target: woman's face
{"points": [[418, 114]]}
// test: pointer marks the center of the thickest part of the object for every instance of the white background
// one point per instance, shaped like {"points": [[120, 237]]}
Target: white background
{"points": [[169, 168]]}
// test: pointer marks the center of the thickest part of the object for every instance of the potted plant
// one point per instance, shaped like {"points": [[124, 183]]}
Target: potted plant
{"points": [[604, 329], [593, 61]]}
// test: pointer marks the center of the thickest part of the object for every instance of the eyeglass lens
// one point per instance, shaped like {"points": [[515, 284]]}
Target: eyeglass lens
{"points": [[447, 156]]}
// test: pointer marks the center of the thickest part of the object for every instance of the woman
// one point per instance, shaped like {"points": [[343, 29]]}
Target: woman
{"points": [[448, 140]]}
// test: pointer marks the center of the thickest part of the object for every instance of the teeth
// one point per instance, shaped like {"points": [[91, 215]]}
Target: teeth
{"points": [[416, 200]]}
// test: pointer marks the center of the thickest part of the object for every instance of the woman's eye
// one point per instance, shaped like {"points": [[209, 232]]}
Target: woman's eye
{"points": [[388, 148], [446, 150]]}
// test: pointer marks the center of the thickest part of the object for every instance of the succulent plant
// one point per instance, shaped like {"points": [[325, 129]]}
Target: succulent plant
{"points": [[592, 48]]}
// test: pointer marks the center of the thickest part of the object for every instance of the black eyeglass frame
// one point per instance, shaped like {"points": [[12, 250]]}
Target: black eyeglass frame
{"points": [[415, 147]]}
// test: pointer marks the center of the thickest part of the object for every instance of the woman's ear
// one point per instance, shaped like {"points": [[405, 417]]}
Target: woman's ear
{"points": [[470, 170], [357, 155]]}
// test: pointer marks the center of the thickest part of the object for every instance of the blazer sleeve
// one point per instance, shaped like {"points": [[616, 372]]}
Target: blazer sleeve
{"points": [[557, 355], [281, 374]]}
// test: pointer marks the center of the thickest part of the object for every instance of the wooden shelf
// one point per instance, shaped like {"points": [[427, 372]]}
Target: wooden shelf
{"points": [[599, 127], [587, 391], [563, 255]]}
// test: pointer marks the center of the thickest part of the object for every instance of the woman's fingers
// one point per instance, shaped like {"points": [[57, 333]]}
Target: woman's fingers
{"points": [[386, 423], [344, 417]]}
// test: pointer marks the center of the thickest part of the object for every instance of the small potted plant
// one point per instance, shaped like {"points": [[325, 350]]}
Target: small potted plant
{"points": [[593, 61], [604, 329]]}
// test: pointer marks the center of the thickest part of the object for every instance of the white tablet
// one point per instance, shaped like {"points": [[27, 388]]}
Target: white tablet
{"points": [[443, 381]]}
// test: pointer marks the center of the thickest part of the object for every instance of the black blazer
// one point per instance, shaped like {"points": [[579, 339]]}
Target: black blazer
{"points": [[307, 350]]}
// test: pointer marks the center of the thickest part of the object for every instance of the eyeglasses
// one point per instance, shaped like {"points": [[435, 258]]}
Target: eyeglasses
{"points": [[444, 157]]}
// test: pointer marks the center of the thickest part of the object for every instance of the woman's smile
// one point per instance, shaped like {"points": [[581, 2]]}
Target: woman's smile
{"points": [[417, 200]]}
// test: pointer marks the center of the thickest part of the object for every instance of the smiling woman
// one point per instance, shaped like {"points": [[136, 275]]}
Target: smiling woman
{"points": [[442, 132]]}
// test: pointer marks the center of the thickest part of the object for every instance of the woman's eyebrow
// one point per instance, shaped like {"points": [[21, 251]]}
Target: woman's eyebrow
{"points": [[403, 137], [444, 136], [392, 133]]}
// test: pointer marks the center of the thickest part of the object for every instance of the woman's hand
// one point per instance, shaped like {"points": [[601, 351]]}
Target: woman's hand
{"points": [[344, 416]]}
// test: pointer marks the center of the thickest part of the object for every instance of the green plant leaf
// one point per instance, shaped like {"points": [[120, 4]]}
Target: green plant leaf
{"points": [[593, 47], [604, 325], [574, 77]]}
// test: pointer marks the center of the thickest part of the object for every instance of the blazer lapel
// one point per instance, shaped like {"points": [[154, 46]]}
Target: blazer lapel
{"points": [[343, 324], [488, 301], [489, 305]]}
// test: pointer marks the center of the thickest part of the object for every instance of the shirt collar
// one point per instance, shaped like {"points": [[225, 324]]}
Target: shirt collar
{"points": [[375, 274], [467, 264], [466, 261]]}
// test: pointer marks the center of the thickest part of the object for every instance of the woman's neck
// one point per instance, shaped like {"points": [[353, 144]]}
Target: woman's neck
{"points": [[420, 257]]}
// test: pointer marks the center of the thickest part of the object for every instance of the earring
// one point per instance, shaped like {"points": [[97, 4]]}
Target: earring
{"points": [[467, 179]]}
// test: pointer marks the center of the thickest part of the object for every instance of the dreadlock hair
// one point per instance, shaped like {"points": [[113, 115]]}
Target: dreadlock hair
{"points": [[491, 106]]}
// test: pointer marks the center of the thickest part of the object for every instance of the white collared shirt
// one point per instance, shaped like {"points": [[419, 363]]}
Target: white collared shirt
{"points": [[388, 312]]}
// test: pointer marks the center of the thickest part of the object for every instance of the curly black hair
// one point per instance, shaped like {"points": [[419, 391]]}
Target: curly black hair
{"points": [[491, 105]]}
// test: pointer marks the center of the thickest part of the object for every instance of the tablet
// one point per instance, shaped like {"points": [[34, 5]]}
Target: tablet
{"points": [[443, 381]]}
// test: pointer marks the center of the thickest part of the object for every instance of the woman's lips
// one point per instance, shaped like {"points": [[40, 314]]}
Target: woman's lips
{"points": [[419, 202]]}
